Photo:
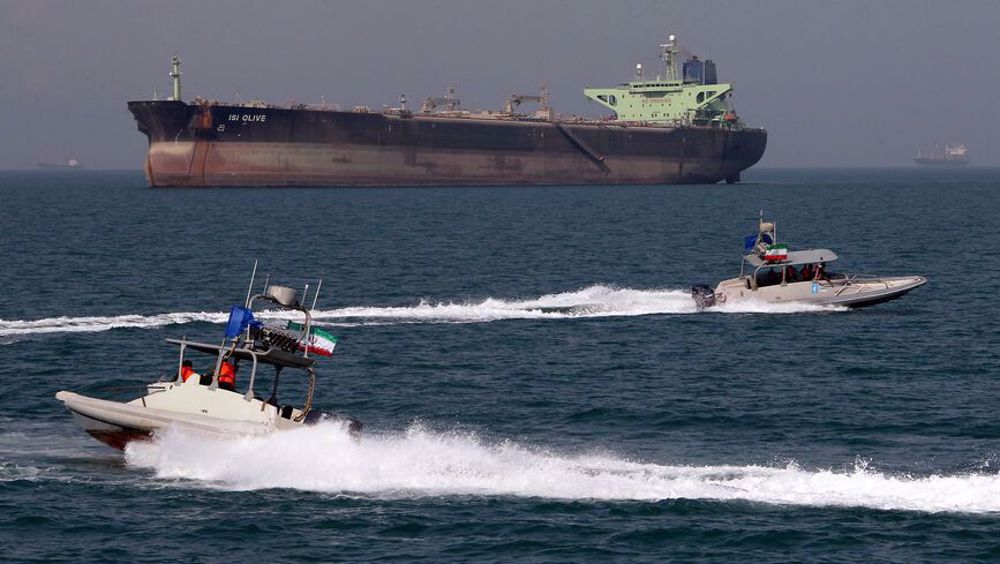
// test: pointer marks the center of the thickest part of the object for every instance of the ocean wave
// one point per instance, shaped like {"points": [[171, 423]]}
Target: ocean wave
{"points": [[420, 463]]}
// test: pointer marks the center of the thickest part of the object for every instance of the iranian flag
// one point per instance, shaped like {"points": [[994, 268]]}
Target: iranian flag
{"points": [[319, 341], [776, 253]]}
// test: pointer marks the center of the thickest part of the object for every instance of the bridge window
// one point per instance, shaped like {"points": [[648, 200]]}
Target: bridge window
{"points": [[701, 97], [612, 100]]}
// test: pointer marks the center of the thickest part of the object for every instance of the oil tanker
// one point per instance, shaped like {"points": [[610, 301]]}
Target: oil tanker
{"points": [[679, 127]]}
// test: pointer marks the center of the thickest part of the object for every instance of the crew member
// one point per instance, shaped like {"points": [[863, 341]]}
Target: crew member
{"points": [[188, 374], [821, 271], [791, 275], [807, 272], [227, 376]]}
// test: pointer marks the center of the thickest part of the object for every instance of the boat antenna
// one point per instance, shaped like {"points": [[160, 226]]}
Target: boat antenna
{"points": [[253, 274], [308, 324], [316, 294]]}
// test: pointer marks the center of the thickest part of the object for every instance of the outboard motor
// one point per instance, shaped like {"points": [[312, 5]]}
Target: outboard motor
{"points": [[704, 296]]}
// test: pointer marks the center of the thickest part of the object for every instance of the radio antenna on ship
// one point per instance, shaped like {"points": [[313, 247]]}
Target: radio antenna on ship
{"points": [[669, 57], [175, 76]]}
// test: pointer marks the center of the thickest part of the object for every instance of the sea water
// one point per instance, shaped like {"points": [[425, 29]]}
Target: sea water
{"points": [[533, 376]]}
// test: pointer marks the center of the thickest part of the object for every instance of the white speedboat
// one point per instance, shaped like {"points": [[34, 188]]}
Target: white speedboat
{"points": [[204, 404], [777, 275]]}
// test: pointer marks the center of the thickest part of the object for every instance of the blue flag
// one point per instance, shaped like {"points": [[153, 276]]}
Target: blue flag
{"points": [[239, 318], [748, 242]]}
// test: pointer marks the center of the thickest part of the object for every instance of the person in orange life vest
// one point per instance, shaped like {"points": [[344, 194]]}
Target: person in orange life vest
{"points": [[188, 374], [227, 376]]}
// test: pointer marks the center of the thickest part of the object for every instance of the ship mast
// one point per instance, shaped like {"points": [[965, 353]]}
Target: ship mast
{"points": [[175, 76], [669, 57]]}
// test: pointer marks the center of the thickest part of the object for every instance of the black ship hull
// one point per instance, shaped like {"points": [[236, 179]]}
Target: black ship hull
{"points": [[223, 145]]}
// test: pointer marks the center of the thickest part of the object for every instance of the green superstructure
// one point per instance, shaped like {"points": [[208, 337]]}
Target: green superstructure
{"points": [[692, 98]]}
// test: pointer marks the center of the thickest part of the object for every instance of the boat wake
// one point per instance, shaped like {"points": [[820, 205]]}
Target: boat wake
{"points": [[97, 324], [593, 301], [421, 463]]}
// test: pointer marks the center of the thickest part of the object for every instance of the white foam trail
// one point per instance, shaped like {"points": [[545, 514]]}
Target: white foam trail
{"points": [[104, 323], [757, 306], [420, 463], [593, 301], [96, 324]]}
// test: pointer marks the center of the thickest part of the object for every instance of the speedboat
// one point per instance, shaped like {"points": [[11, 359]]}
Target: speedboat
{"points": [[770, 273], [209, 403]]}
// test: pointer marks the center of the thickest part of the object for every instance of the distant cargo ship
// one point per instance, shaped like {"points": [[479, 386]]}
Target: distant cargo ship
{"points": [[674, 128], [949, 155], [71, 163]]}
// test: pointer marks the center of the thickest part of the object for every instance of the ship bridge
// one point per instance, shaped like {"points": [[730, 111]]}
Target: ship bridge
{"points": [[695, 98]]}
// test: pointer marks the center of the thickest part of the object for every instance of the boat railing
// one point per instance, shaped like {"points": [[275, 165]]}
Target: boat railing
{"points": [[869, 278], [253, 376], [205, 347], [854, 281]]}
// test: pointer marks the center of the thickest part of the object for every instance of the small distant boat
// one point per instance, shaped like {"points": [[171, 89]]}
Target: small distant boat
{"points": [[955, 154], [70, 163], [778, 275], [206, 403]]}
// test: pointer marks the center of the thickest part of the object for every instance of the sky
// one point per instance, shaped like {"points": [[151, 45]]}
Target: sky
{"points": [[835, 82]]}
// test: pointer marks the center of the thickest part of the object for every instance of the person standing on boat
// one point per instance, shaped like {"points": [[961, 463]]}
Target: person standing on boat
{"points": [[188, 374], [227, 376]]}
